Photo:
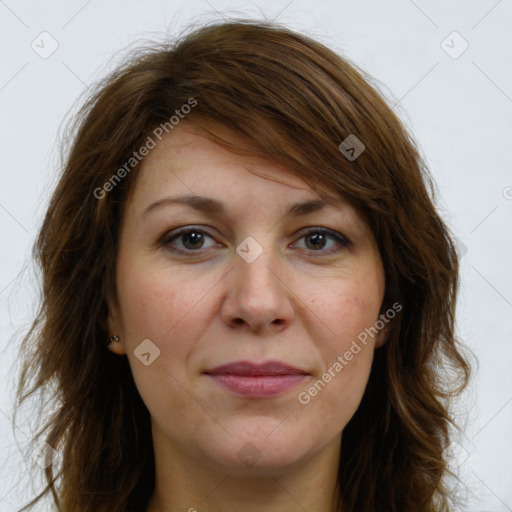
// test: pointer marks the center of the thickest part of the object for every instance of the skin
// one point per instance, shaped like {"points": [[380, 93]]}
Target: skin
{"points": [[205, 310]]}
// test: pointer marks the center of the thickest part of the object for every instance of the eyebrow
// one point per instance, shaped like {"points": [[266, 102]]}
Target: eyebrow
{"points": [[215, 207]]}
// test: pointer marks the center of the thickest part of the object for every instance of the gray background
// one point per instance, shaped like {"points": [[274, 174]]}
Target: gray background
{"points": [[457, 104]]}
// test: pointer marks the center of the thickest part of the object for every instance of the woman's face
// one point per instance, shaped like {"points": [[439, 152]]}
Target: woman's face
{"points": [[252, 281]]}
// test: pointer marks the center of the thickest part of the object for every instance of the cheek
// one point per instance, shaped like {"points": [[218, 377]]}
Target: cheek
{"points": [[346, 308], [157, 303], [349, 310], [155, 307]]}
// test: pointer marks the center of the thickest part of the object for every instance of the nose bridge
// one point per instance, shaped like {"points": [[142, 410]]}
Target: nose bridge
{"points": [[256, 267], [257, 292]]}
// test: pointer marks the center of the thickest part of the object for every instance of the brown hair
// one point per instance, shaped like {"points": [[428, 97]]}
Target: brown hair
{"points": [[294, 101]]}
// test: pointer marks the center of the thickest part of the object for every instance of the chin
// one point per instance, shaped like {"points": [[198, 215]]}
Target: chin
{"points": [[259, 451]]}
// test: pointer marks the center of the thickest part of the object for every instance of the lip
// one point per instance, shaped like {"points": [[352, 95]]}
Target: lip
{"points": [[257, 380]]}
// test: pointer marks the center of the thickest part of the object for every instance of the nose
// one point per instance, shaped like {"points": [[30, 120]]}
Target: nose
{"points": [[258, 297]]}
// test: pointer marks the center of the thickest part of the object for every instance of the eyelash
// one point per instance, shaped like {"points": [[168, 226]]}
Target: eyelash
{"points": [[338, 237]]}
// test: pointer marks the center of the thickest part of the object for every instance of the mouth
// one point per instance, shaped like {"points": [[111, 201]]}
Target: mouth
{"points": [[256, 380]]}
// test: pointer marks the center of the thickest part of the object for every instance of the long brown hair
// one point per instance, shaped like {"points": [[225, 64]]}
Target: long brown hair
{"points": [[294, 101]]}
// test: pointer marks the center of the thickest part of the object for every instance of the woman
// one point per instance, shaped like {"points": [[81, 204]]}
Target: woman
{"points": [[248, 294]]}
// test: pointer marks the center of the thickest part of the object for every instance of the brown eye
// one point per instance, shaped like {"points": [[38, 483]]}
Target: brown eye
{"points": [[191, 240], [188, 240], [317, 239]]}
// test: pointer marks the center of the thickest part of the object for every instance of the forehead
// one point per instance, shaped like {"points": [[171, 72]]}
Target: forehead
{"points": [[187, 160], [247, 188]]}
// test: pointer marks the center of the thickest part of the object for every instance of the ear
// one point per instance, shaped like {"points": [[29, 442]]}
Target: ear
{"points": [[114, 327], [383, 335]]}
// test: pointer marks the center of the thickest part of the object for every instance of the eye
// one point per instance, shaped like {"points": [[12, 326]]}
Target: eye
{"points": [[191, 240], [318, 239]]}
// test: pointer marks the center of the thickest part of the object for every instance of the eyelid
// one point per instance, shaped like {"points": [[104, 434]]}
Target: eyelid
{"points": [[318, 229], [175, 233], [340, 238]]}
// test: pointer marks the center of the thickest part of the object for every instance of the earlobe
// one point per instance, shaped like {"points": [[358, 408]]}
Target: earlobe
{"points": [[382, 336], [116, 346], [115, 343]]}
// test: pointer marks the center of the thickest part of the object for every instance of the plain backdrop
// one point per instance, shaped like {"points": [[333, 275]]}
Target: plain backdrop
{"points": [[446, 69]]}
